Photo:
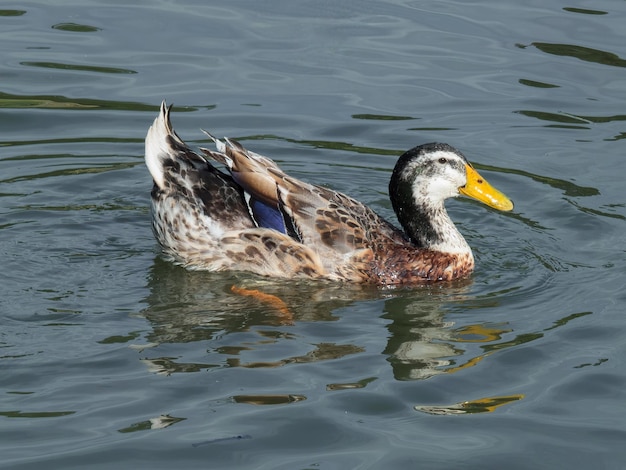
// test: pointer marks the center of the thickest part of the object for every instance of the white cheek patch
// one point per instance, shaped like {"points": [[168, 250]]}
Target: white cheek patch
{"points": [[437, 189]]}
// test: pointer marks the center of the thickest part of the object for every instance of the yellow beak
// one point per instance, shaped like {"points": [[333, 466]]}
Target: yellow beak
{"points": [[478, 188]]}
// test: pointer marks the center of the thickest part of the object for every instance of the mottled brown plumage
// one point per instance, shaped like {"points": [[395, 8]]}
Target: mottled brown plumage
{"points": [[254, 217]]}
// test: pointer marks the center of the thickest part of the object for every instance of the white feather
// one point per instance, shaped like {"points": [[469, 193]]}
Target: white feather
{"points": [[157, 149]]}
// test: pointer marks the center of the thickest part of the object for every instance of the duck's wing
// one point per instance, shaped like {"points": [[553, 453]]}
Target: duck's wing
{"points": [[202, 220], [187, 186], [251, 172], [326, 220]]}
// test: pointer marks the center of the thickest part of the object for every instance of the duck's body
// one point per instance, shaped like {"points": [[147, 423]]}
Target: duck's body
{"points": [[256, 218]]}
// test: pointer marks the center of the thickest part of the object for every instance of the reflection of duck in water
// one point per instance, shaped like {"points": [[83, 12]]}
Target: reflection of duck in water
{"points": [[417, 338], [256, 218], [186, 307]]}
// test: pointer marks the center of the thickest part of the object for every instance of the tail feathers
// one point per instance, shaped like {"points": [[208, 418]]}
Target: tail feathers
{"points": [[221, 146], [163, 145]]}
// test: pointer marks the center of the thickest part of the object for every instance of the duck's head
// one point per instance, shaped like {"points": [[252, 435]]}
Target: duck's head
{"points": [[428, 174]]}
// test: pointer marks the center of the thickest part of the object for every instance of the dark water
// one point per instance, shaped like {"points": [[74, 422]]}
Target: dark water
{"points": [[113, 358]]}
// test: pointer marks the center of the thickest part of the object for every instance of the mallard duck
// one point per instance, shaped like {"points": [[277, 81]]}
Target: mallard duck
{"points": [[251, 216]]}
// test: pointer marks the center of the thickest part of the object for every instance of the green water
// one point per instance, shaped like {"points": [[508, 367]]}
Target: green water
{"points": [[111, 357]]}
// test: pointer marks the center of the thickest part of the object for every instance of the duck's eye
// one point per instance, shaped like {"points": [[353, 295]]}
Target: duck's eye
{"points": [[443, 160]]}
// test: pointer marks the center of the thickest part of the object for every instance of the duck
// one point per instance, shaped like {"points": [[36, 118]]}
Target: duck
{"points": [[231, 209]]}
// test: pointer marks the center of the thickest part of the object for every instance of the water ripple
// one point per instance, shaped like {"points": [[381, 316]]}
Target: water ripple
{"points": [[586, 54]]}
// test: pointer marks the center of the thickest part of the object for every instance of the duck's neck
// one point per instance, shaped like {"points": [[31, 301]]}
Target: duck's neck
{"points": [[431, 227], [427, 223]]}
